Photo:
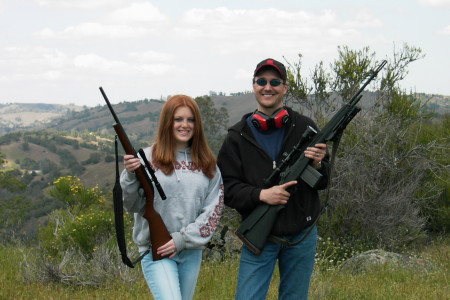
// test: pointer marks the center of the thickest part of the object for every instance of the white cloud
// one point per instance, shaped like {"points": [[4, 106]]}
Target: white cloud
{"points": [[93, 30], [53, 75], [97, 64], [145, 48], [43, 64], [128, 22], [151, 56], [445, 30], [137, 12], [159, 69], [46, 33], [364, 18], [271, 28], [436, 3], [83, 4], [32, 62]]}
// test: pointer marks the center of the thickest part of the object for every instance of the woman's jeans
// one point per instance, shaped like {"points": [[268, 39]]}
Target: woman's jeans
{"points": [[295, 264], [173, 278]]}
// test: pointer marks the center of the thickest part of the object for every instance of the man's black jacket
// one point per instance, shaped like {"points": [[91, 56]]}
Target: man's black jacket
{"points": [[244, 166]]}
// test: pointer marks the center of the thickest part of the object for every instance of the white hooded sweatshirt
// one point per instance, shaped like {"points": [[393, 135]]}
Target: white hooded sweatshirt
{"points": [[191, 211]]}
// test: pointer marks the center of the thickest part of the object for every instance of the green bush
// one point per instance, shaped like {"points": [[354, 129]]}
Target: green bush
{"points": [[72, 192], [84, 232], [84, 225]]}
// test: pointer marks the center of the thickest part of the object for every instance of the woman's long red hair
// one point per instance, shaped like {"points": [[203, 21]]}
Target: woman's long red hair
{"points": [[163, 154]]}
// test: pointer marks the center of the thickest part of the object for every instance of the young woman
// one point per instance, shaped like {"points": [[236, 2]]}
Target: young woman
{"points": [[187, 171]]}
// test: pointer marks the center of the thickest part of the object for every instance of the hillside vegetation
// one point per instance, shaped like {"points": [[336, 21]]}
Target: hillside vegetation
{"points": [[140, 116], [15, 116], [40, 157], [82, 144]]}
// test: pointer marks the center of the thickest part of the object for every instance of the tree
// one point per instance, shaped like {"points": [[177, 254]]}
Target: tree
{"points": [[12, 206], [215, 122], [311, 97], [350, 69], [382, 168]]}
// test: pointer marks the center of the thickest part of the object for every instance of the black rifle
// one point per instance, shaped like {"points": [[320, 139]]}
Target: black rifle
{"points": [[255, 229], [159, 234]]}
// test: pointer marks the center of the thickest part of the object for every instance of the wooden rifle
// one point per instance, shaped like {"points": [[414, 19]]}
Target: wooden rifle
{"points": [[159, 235]]}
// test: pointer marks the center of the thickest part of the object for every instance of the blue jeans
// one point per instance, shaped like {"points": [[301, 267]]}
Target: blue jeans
{"points": [[173, 278], [295, 264]]}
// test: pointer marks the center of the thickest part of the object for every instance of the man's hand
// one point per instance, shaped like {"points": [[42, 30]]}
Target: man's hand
{"points": [[316, 153], [276, 194]]}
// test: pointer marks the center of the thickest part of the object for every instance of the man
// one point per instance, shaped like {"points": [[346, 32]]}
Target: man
{"points": [[253, 148]]}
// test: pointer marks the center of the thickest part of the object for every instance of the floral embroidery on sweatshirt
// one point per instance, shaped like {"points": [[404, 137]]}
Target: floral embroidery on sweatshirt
{"points": [[183, 165], [210, 226]]}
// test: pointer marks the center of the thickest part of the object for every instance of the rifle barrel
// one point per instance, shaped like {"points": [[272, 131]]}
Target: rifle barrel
{"points": [[374, 74], [109, 106]]}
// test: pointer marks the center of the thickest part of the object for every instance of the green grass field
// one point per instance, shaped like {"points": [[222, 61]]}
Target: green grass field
{"points": [[218, 281]]}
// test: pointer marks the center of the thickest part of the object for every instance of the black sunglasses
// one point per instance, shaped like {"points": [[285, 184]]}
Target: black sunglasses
{"points": [[263, 82]]}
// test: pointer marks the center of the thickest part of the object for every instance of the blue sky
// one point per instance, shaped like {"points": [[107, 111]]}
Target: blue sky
{"points": [[61, 51]]}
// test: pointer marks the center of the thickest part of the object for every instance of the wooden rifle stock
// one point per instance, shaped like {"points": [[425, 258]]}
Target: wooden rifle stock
{"points": [[159, 235]]}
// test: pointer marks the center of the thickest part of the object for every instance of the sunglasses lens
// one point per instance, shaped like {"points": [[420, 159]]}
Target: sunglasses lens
{"points": [[263, 82], [275, 82]]}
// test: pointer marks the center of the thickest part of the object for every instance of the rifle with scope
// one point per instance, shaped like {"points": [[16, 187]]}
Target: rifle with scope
{"points": [[159, 234], [255, 229]]}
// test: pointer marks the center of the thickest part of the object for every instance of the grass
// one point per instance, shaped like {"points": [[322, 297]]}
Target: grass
{"points": [[382, 283], [218, 281]]}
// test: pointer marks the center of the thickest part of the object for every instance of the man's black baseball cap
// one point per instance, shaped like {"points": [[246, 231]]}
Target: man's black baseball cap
{"points": [[269, 62]]}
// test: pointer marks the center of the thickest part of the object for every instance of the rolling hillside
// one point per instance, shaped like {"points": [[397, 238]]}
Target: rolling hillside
{"points": [[138, 117], [44, 142], [16, 116], [88, 131]]}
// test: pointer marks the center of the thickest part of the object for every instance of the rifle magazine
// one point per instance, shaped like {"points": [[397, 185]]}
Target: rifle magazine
{"points": [[311, 176]]}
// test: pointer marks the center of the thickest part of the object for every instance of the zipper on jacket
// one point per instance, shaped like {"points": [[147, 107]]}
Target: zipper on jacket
{"points": [[289, 132], [245, 136], [274, 165]]}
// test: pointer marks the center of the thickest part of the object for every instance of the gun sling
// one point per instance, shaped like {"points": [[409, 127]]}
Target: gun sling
{"points": [[159, 234], [118, 217]]}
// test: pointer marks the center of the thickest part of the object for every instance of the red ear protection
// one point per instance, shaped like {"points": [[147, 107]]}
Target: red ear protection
{"points": [[264, 122]]}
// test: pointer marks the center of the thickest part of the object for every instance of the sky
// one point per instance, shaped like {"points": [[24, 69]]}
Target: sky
{"points": [[62, 51]]}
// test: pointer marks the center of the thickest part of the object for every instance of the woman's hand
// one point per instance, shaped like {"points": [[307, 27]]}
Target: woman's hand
{"points": [[131, 163], [168, 248]]}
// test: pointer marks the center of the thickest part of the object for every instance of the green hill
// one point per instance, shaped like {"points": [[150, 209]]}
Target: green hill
{"points": [[54, 141]]}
